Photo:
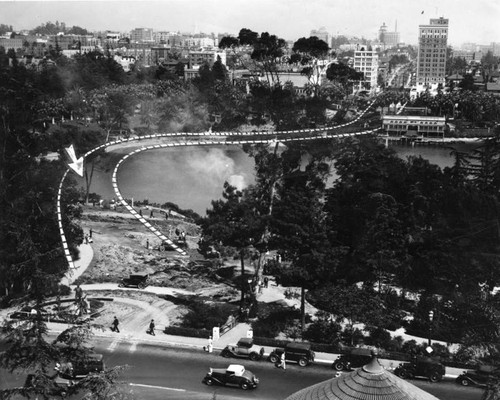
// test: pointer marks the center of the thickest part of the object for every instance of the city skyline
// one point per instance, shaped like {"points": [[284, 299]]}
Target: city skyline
{"points": [[289, 19]]}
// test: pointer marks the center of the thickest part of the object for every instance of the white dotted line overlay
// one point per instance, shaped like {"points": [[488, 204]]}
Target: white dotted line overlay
{"points": [[185, 135], [67, 254]]}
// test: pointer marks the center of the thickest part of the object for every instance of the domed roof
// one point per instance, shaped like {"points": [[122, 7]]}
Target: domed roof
{"points": [[372, 382]]}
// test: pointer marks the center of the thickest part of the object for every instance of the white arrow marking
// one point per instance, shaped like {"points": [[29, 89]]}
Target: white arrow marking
{"points": [[76, 164]]}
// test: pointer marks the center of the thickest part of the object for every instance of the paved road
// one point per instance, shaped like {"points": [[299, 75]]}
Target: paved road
{"points": [[159, 372]]}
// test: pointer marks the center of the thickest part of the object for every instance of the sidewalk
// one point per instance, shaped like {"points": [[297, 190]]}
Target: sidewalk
{"points": [[270, 294]]}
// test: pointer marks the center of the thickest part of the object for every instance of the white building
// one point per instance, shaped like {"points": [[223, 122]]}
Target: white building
{"points": [[198, 58], [367, 62]]}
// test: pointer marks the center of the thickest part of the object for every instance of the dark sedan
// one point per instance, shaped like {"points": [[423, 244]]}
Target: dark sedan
{"points": [[482, 376]]}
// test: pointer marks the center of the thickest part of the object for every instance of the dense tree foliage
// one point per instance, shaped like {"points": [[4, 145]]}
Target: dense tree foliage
{"points": [[398, 59], [50, 28], [308, 52], [343, 74], [266, 51]]}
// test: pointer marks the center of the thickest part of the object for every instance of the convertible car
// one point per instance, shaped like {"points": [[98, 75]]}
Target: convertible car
{"points": [[234, 375]]}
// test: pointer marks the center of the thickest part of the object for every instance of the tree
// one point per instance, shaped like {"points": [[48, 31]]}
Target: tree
{"points": [[235, 221], [383, 245], [219, 70], [297, 224], [343, 74], [228, 42], [309, 52], [29, 351], [83, 139], [183, 111], [5, 28], [267, 50], [349, 303]]}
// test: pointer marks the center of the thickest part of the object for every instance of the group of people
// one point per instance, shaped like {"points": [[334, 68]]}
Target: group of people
{"points": [[116, 323]]}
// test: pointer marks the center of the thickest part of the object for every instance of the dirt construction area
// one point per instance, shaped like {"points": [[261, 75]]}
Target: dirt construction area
{"points": [[123, 246]]}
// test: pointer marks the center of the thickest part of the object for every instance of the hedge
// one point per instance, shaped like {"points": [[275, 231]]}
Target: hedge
{"points": [[190, 332]]}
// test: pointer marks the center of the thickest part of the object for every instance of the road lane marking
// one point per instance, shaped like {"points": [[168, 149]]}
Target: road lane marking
{"points": [[157, 387], [114, 345], [133, 347]]}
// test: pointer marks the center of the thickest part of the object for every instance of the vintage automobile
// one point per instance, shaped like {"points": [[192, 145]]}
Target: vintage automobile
{"points": [[424, 367], [354, 359], [234, 374], [80, 369], [300, 353], [245, 348], [482, 376], [139, 280]]}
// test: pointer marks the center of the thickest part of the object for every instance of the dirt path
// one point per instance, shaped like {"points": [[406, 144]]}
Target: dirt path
{"points": [[134, 314]]}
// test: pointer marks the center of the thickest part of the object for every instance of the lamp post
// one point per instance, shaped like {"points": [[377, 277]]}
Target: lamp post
{"points": [[431, 317]]}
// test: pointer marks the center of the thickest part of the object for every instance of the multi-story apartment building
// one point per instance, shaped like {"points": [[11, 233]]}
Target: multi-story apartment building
{"points": [[465, 54], [15, 43], [169, 39], [141, 35], [366, 61], [198, 58], [68, 42], [468, 47], [431, 59], [199, 42]]}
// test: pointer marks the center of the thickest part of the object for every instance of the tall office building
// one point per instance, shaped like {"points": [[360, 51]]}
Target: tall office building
{"points": [[388, 39], [431, 61]]}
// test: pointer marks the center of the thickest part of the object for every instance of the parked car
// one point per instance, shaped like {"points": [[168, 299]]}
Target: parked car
{"points": [[354, 359], [300, 353], [80, 369], [139, 280], [245, 348], [421, 367], [483, 375], [235, 375]]}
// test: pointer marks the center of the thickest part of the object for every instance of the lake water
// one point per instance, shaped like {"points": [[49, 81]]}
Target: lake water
{"points": [[193, 176]]}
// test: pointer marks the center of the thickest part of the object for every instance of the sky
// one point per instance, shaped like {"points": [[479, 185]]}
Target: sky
{"points": [[469, 21]]}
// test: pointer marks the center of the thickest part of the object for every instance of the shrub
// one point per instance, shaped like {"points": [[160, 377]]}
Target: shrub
{"points": [[352, 336], [323, 330], [379, 337], [272, 324], [206, 316], [190, 332]]}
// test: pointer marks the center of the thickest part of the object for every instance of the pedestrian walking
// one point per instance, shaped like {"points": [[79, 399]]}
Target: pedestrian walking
{"points": [[114, 328], [90, 233], [86, 238], [140, 212], [78, 293], [151, 214], [151, 330], [266, 281], [282, 362]]}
